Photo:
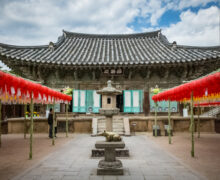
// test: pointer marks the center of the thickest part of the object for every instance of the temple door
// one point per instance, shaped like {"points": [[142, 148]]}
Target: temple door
{"points": [[79, 100], [86, 101], [96, 102], [89, 101], [133, 101]]}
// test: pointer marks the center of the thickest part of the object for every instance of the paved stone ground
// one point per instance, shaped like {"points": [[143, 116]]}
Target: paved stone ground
{"points": [[73, 162]]}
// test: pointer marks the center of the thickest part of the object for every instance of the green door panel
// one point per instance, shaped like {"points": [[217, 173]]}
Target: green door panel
{"points": [[96, 102], [133, 101], [83, 101]]}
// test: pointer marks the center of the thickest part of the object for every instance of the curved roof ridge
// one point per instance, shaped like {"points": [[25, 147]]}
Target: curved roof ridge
{"points": [[22, 47], [198, 47], [59, 41], [111, 36]]}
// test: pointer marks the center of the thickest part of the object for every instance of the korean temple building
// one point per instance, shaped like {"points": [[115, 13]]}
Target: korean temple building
{"points": [[135, 63]]}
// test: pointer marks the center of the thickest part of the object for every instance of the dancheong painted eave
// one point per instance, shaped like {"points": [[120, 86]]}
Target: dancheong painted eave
{"points": [[78, 49]]}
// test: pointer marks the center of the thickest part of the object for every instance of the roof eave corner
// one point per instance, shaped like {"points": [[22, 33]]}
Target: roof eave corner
{"points": [[64, 33]]}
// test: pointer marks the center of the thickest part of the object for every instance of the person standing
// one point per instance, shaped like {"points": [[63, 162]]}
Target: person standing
{"points": [[50, 122]]}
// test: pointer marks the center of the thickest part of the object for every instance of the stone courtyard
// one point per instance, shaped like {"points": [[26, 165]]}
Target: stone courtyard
{"points": [[73, 161]]}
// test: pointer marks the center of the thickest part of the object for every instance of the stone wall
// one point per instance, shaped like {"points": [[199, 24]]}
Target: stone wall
{"points": [[179, 124], [16, 125], [83, 124]]}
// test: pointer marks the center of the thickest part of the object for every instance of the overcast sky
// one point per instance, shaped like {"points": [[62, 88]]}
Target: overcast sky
{"points": [[37, 22]]}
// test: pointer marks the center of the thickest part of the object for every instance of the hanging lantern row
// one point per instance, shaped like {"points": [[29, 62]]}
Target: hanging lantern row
{"points": [[18, 90], [206, 88]]}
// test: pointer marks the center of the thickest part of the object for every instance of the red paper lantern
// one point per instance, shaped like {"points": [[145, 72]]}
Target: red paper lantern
{"points": [[2, 81]]}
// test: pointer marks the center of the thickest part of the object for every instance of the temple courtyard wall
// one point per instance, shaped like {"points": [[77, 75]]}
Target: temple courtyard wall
{"points": [[82, 123]]}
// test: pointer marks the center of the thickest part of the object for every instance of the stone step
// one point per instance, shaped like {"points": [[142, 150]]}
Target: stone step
{"points": [[118, 124], [119, 132], [101, 125], [101, 121], [121, 121], [118, 127], [115, 129]]}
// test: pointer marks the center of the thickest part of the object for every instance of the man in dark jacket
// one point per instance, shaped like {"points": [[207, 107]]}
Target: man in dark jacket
{"points": [[50, 122]]}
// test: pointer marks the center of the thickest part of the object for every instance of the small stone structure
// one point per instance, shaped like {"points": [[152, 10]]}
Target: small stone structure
{"points": [[110, 137], [109, 103], [110, 165]]}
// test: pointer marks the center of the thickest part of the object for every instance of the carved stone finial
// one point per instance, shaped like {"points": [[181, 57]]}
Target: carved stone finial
{"points": [[109, 83], [174, 45], [51, 46]]}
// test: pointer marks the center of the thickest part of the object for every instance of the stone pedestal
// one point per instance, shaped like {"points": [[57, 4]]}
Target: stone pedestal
{"points": [[108, 124], [119, 152], [110, 165]]}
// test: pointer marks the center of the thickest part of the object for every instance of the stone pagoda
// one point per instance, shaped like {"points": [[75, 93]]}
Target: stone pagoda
{"points": [[109, 103]]}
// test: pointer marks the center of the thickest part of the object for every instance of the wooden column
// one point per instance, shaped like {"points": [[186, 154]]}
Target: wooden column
{"points": [[0, 122], [25, 125], [53, 139], [192, 126], [146, 103], [198, 124], [155, 119], [67, 120], [31, 126], [169, 124]]}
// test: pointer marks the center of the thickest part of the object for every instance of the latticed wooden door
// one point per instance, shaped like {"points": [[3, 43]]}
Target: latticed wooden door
{"points": [[133, 101]]}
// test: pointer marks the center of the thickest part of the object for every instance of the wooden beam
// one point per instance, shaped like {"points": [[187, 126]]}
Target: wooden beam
{"points": [[0, 123], [25, 122], [155, 119], [192, 126], [67, 120], [198, 126], [169, 124], [31, 126], [53, 130]]}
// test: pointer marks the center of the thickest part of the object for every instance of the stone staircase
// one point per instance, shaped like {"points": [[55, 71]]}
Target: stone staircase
{"points": [[101, 125], [118, 125], [212, 113]]}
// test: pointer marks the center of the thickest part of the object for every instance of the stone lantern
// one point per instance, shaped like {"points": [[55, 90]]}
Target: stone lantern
{"points": [[109, 103]]}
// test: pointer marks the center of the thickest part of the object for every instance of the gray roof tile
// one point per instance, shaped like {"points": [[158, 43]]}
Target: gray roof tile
{"points": [[93, 49]]}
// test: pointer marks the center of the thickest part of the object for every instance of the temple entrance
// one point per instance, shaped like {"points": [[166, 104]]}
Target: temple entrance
{"points": [[119, 102]]}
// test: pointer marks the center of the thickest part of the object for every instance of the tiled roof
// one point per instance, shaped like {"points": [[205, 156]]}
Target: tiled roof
{"points": [[91, 49]]}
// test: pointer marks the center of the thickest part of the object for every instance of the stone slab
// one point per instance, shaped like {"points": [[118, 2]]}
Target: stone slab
{"points": [[126, 126], [118, 171], [104, 144], [94, 126], [119, 152]]}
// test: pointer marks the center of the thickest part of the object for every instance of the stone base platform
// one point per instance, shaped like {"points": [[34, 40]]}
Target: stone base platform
{"points": [[119, 152], [118, 171]]}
